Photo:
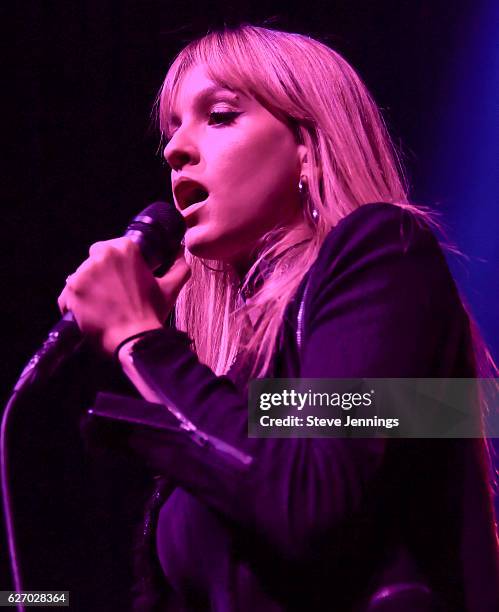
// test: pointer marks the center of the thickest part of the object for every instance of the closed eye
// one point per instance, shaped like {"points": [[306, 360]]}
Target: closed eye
{"points": [[215, 118], [227, 117]]}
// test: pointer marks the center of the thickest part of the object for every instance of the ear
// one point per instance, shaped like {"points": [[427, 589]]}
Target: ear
{"points": [[304, 163]]}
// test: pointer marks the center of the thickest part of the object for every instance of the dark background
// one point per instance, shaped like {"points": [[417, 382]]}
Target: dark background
{"points": [[81, 160]]}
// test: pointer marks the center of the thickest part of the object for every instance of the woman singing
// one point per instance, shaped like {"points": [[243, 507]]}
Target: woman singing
{"points": [[303, 258]]}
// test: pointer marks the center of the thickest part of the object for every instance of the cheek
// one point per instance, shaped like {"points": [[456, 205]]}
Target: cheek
{"points": [[259, 166]]}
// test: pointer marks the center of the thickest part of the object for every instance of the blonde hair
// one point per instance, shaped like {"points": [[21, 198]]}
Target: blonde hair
{"points": [[353, 162]]}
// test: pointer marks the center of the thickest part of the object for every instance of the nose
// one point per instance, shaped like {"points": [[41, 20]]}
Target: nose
{"points": [[180, 151]]}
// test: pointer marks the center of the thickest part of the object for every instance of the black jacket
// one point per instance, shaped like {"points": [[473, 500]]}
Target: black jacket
{"points": [[315, 524]]}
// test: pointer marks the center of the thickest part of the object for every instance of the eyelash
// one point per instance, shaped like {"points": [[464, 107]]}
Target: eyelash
{"points": [[225, 117]]}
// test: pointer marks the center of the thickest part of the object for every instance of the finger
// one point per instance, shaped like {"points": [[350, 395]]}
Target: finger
{"points": [[180, 271], [176, 277], [123, 244], [96, 248], [63, 297], [62, 301]]}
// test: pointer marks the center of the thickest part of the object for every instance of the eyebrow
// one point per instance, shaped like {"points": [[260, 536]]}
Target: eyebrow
{"points": [[200, 97]]}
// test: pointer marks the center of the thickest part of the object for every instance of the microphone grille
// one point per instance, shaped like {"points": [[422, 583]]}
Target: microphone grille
{"points": [[159, 230]]}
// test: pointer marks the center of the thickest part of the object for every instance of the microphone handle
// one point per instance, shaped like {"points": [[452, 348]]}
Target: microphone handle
{"points": [[62, 341]]}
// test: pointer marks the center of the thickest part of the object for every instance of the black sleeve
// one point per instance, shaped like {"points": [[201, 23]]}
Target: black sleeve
{"points": [[376, 302]]}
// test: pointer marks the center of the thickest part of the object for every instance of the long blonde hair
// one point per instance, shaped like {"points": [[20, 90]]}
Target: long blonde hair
{"points": [[353, 162]]}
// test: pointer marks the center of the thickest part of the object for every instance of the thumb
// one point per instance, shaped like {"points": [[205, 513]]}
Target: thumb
{"points": [[172, 282]]}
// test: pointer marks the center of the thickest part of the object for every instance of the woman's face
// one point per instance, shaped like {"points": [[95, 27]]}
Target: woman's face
{"points": [[246, 159]]}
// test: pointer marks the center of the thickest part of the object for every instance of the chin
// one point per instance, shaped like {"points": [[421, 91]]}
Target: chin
{"points": [[201, 243]]}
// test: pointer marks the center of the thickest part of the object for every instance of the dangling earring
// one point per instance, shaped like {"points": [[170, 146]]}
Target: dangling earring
{"points": [[302, 188]]}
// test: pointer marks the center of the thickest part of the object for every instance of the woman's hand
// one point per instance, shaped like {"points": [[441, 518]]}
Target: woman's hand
{"points": [[114, 295]]}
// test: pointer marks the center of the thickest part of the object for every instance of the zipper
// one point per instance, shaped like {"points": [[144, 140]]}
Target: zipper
{"points": [[204, 440], [300, 325], [198, 436]]}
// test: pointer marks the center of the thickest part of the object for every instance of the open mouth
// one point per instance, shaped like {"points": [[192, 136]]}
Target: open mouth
{"points": [[189, 192]]}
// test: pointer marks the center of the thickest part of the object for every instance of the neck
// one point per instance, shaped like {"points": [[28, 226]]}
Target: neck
{"points": [[295, 234]]}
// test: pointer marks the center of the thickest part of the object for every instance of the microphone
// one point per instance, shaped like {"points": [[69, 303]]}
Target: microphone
{"points": [[158, 230]]}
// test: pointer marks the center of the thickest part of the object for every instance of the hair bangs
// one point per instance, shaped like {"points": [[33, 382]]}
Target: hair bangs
{"points": [[241, 60]]}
